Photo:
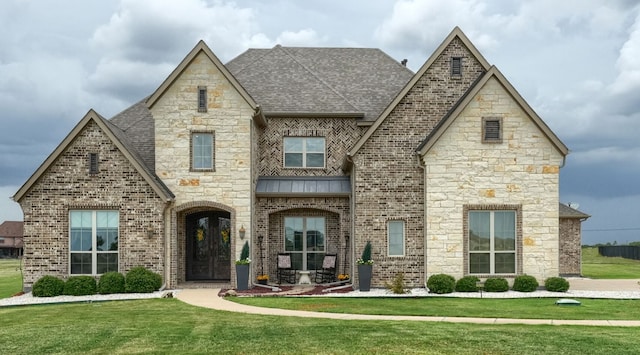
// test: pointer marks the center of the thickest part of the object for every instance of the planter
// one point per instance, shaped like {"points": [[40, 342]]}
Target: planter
{"points": [[262, 282], [364, 277], [242, 277]]}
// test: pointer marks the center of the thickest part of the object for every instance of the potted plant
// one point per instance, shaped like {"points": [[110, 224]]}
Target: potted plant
{"points": [[365, 266], [343, 277], [242, 268], [263, 279]]}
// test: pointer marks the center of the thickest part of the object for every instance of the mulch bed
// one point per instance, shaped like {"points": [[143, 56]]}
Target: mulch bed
{"points": [[285, 291]]}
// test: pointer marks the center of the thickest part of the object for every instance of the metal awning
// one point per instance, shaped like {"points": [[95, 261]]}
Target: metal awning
{"points": [[303, 186]]}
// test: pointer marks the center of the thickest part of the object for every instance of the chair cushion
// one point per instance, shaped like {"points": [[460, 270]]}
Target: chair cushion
{"points": [[329, 262], [284, 261]]}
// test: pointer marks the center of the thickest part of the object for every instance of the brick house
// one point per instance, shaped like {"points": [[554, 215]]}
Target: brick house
{"points": [[11, 239], [308, 151]]}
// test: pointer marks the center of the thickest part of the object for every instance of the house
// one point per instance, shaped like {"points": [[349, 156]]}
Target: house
{"points": [[10, 239], [306, 151]]}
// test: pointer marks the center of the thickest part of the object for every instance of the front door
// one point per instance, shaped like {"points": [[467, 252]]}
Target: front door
{"points": [[208, 246]]}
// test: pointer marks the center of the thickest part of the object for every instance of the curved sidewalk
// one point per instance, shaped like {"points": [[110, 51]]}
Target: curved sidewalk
{"points": [[209, 298]]}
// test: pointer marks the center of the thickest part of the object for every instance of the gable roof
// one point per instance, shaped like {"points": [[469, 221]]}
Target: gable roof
{"points": [[200, 47], [493, 72], [354, 82], [569, 212], [455, 33], [12, 229], [119, 140]]}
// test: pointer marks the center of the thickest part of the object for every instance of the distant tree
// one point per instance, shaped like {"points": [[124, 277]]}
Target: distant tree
{"points": [[635, 244]]}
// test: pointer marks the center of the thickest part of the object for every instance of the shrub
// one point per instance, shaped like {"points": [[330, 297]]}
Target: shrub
{"points": [[398, 286], [141, 280], [441, 283], [556, 284], [525, 283], [80, 286], [48, 286], [496, 284], [467, 284], [111, 282]]}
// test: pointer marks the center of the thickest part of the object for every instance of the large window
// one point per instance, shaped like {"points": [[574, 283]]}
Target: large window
{"points": [[492, 242], [304, 238], [395, 234], [304, 152], [93, 242], [202, 151]]}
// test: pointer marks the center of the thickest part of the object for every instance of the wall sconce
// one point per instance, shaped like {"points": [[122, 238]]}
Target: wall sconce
{"points": [[150, 232], [242, 232]]}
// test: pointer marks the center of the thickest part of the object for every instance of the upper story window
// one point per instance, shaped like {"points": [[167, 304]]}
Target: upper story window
{"points": [[456, 66], [395, 235], [304, 152], [202, 99], [93, 241], [93, 163], [491, 130], [202, 144]]}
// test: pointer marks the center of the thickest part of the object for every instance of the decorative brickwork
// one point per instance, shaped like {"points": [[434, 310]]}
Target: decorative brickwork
{"points": [[68, 185], [570, 247]]}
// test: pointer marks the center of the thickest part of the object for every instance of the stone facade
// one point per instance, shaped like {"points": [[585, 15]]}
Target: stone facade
{"points": [[521, 171], [67, 185]]}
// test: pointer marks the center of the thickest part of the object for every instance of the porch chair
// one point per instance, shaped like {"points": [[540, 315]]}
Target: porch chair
{"points": [[285, 271], [328, 272]]}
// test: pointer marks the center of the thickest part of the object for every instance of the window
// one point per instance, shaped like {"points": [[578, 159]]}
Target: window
{"points": [[492, 242], [93, 163], [304, 238], [304, 152], [395, 234], [202, 99], [491, 130], [202, 151], [93, 242], [456, 66], [1, 240]]}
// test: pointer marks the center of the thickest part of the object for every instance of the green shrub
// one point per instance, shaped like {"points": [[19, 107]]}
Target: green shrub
{"points": [[48, 286], [441, 283], [398, 286], [80, 286], [467, 284], [496, 284], [141, 280], [556, 284], [525, 283], [111, 282]]}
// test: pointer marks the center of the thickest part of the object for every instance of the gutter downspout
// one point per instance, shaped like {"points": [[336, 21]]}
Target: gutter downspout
{"points": [[352, 207], [167, 238], [421, 164]]}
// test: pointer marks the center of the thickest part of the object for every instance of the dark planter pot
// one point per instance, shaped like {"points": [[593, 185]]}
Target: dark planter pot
{"points": [[364, 277], [242, 277]]}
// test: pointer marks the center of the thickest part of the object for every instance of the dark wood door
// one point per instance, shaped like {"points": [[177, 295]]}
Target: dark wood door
{"points": [[208, 246]]}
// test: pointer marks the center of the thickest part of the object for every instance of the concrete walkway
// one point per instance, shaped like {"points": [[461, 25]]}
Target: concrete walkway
{"points": [[209, 298]]}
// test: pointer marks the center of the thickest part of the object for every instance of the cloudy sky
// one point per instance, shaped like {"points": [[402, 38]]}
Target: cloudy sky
{"points": [[577, 63]]}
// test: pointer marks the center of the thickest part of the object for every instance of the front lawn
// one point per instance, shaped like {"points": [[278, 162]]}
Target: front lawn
{"points": [[10, 277], [170, 326], [596, 266]]}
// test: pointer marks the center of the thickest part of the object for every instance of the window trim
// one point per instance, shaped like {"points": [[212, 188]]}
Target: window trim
{"points": [[213, 152], [485, 122], [456, 70], [493, 207], [94, 252], [202, 99], [304, 152], [403, 237], [304, 251]]}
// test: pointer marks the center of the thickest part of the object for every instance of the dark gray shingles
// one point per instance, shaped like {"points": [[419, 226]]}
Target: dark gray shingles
{"points": [[568, 212], [136, 122]]}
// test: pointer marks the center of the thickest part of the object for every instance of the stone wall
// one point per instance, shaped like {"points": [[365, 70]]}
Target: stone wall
{"points": [[522, 170], [570, 247], [67, 185], [389, 182]]}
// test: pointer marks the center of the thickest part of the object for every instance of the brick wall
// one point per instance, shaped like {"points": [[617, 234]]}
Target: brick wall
{"points": [[570, 247], [67, 185], [389, 183]]}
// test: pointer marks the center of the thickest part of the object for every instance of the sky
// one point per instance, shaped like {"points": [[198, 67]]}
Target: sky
{"points": [[576, 62]]}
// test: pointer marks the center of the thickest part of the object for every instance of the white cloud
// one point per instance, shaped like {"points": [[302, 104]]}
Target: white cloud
{"points": [[628, 64], [303, 38]]}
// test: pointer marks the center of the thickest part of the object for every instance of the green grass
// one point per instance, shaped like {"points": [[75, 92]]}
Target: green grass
{"points": [[10, 277], [597, 266], [169, 326]]}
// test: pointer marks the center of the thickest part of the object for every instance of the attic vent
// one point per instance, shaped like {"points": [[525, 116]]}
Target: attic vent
{"points": [[202, 99], [456, 66], [93, 163], [492, 130]]}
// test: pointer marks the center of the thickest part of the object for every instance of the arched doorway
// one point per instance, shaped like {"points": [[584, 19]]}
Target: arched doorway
{"points": [[208, 246]]}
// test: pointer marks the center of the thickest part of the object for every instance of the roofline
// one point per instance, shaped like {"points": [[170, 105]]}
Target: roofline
{"points": [[456, 32], [303, 194], [315, 114], [101, 122], [201, 46]]}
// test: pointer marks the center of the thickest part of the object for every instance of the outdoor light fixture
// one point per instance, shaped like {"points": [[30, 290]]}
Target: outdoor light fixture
{"points": [[242, 232], [150, 232]]}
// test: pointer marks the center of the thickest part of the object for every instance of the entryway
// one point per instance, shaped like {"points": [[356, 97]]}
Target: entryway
{"points": [[208, 246]]}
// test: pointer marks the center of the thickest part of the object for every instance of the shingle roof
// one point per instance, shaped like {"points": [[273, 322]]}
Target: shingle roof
{"points": [[568, 212], [11, 229], [320, 80]]}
